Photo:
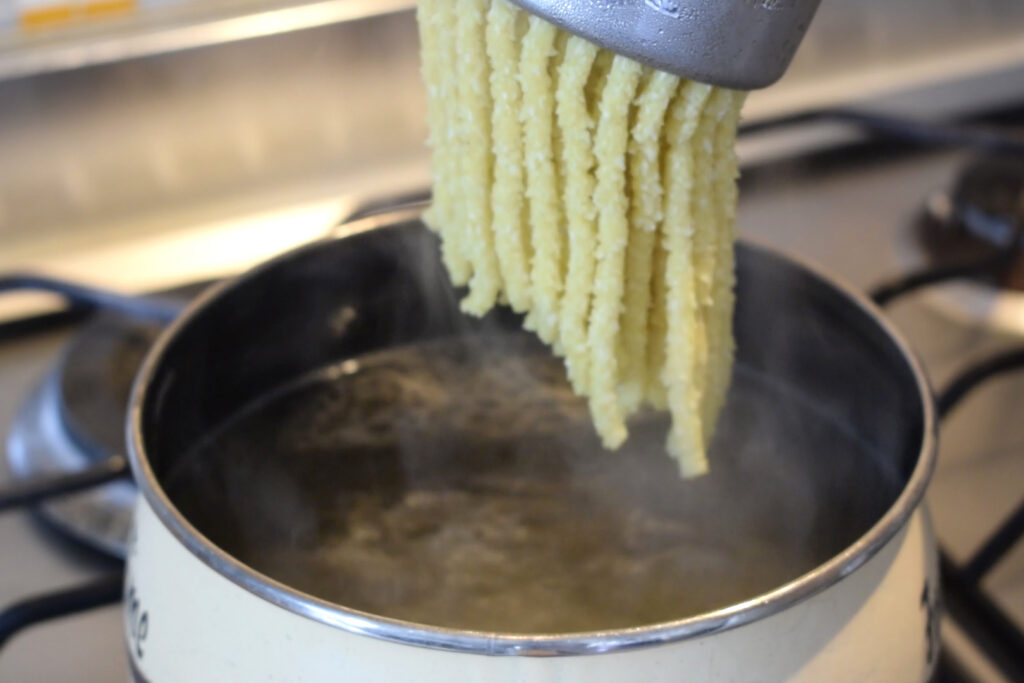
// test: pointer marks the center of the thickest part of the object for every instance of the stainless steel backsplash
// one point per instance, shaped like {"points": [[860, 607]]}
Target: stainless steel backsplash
{"points": [[82, 150]]}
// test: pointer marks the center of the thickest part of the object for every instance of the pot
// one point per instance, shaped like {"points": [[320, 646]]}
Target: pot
{"points": [[808, 551]]}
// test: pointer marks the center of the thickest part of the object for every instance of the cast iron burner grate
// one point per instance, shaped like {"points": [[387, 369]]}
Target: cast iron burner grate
{"points": [[74, 422], [65, 447]]}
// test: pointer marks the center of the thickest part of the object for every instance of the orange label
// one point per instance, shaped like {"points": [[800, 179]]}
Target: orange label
{"points": [[47, 15], [100, 8]]}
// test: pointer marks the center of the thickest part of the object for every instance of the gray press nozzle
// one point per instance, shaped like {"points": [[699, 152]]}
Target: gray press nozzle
{"points": [[742, 44]]}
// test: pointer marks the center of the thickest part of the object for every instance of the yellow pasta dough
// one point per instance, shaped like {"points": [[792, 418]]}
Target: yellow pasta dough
{"points": [[597, 196]]}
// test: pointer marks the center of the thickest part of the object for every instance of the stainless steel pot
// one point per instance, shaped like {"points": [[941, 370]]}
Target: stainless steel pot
{"points": [[824, 453]]}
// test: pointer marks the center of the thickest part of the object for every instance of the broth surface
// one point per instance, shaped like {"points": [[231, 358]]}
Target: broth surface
{"points": [[459, 483]]}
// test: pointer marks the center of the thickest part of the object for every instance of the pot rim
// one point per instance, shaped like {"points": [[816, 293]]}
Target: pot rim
{"points": [[496, 643]]}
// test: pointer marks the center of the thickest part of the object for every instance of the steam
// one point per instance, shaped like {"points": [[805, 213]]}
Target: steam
{"points": [[443, 471]]}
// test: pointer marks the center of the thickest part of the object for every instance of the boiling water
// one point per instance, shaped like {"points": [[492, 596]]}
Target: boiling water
{"points": [[459, 483]]}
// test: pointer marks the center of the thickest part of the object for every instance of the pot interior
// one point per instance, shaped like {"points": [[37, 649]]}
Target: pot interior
{"points": [[333, 422]]}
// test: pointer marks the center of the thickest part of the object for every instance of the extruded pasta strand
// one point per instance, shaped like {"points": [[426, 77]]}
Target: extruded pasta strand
{"points": [[473, 110], [725, 190], [705, 243], [438, 58], [507, 191], [575, 126], [686, 435], [610, 145], [645, 218], [537, 117], [681, 123]]}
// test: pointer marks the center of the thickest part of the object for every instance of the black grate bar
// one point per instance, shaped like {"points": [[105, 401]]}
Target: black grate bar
{"points": [[974, 375], [950, 670], [992, 263], [998, 544], [44, 322], [989, 627], [36, 490], [143, 307], [919, 132], [105, 590]]}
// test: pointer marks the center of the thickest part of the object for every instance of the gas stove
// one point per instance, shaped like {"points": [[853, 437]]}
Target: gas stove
{"points": [[881, 215]]}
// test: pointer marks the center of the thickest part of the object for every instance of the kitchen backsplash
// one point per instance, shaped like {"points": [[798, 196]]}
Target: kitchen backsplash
{"points": [[101, 149]]}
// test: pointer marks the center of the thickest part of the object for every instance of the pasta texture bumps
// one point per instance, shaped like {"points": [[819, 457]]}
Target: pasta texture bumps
{"points": [[598, 197]]}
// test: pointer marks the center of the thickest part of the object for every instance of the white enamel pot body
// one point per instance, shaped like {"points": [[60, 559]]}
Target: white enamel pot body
{"points": [[193, 612], [187, 622]]}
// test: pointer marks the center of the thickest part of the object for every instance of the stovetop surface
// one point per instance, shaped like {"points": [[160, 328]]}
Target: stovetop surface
{"points": [[34, 559], [847, 219]]}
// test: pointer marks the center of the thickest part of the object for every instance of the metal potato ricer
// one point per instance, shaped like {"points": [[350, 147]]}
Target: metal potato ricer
{"points": [[743, 44]]}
